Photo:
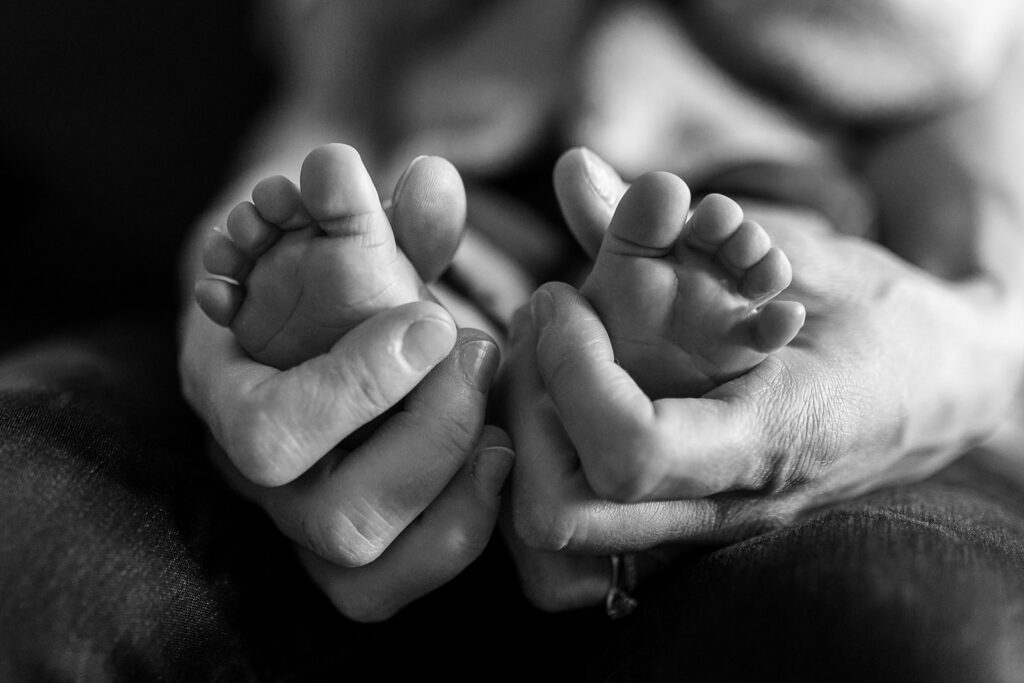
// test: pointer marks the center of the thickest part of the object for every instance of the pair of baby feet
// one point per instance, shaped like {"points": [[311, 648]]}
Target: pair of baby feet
{"points": [[688, 297]]}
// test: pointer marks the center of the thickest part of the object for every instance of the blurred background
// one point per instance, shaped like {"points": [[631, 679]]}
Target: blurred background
{"points": [[118, 120]]}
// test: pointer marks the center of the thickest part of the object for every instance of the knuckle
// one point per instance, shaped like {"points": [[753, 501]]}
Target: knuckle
{"points": [[626, 482], [548, 595], [556, 582], [629, 473], [545, 525], [368, 395], [462, 544], [364, 606], [343, 538], [371, 393], [455, 438], [262, 451], [561, 364]]}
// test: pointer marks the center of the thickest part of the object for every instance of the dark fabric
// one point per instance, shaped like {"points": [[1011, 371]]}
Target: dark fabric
{"points": [[124, 557], [118, 123], [916, 583]]}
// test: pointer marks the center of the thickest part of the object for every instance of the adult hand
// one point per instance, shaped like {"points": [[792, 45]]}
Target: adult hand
{"points": [[875, 389], [893, 375], [410, 506]]}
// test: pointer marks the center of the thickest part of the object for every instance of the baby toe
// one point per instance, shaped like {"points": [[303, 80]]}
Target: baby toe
{"points": [[249, 231], [767, 277], [745, 247], [777, 324], [218, 299], [713, 222], [221, 256], [278, 201]]}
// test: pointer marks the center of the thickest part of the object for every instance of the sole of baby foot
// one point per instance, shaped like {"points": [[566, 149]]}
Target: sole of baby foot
{"points": [[299, 266], [689, 303]]}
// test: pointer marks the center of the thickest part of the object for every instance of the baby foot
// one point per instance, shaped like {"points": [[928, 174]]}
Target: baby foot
{"points": [[689, 302], [310, 264]]}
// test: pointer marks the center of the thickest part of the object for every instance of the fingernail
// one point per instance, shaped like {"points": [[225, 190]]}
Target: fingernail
{"points": [[479, 362], [492, 466], [427, 341], [600, 176], [542, 309], [400, 185]]}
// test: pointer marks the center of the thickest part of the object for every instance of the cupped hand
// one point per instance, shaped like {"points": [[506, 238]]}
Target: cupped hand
{"points": [[413, 503], [882, 385]]}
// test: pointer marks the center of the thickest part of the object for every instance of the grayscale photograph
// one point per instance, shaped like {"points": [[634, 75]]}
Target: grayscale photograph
{"points": [[598, 341]]}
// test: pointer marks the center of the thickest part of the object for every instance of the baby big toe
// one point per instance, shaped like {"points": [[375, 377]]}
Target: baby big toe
{"points": [[339, 194], [649, 218]]}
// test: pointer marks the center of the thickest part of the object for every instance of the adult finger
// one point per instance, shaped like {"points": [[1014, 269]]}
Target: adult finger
{"points": [[274, 425], [491, 279], [632, 448], [428, 214], [554, 507], [556, 581], [559, 581], [588, 190], [450, 534], [351, 507]]}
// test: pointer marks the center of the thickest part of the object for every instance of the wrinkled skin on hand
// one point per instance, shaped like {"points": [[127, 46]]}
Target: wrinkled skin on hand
{"points": [[874, 390]]}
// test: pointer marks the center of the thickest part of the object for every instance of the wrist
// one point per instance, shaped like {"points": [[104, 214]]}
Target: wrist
{"points": [[975, 362]]}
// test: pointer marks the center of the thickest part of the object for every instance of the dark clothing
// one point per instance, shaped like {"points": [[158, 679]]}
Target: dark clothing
{"points": [[123, 556]]}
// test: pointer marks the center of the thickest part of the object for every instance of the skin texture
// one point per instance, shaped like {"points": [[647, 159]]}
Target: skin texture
{"points": [[688, 303], [865, 418], [312, 263], [281, 437], [803, 428]]}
